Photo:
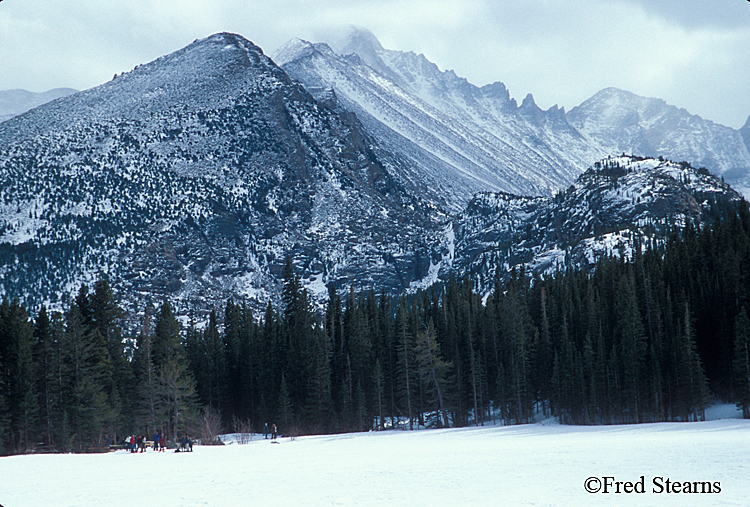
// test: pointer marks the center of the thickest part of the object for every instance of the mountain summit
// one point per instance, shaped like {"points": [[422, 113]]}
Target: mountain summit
{"points": [[622, 122], [194, 177]]}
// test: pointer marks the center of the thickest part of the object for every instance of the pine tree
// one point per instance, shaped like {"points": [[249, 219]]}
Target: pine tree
{"points": [[298, 320], [378, 380], [147, 382], [46, 347], [319, 389], [215, 365], [633, 349], [406, 368], [433, 370], [85, 373], [105, 315], [167, 343], [693, 385], [178, 403]]}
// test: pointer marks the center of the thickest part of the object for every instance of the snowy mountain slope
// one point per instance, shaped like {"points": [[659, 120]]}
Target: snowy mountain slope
{"points": [[610, 207], [457, 138], [15, 102], [193, 177], [461, 139], [622, 122]]}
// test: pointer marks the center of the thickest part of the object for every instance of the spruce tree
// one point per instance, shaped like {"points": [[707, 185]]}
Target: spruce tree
{"points": [[46, 362], [167, 344], [378, 381], [433, 370], [85, 372], [319, 389], [285, 411], [178, 403], [406, 368], [147, 409]]}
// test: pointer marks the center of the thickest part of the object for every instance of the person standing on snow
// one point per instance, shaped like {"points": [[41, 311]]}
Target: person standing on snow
{"points": [[273, 432]]}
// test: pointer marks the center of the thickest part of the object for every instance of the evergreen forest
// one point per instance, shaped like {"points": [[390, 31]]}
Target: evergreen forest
{"points": [[656, 337]]}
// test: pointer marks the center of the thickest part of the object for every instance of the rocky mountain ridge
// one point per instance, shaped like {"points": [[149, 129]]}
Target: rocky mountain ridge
{"points": [[615, 205], [193, 177], [456, 138], [466, 139]]}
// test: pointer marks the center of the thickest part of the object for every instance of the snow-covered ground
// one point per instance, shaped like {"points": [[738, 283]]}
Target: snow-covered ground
{"points": [[531, 465]]}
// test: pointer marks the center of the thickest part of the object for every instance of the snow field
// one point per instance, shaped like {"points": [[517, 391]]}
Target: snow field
{"points": [[531, 465]]}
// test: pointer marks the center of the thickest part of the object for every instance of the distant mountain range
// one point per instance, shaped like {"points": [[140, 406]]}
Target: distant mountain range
{"points": [[195, 176], [15, 102]]}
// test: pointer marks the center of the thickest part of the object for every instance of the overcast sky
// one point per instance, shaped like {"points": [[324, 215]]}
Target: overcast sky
{"points": [[694, 54]]}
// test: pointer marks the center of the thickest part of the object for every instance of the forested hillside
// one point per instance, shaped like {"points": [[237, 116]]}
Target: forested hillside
{"points": [[651, 338]]}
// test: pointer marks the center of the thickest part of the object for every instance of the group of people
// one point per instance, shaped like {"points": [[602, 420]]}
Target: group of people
{"points": [[273, 431], [137, 443]]}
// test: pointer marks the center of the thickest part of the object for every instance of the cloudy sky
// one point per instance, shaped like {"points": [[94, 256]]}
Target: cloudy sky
{"points": [[694, 54]]}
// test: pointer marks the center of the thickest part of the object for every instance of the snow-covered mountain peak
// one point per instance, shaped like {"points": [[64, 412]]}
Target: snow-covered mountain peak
{"points": [[359, 41], [623, 122], [460, 139], [298, 48], [207, 74], [616, 201], [195, 176]]}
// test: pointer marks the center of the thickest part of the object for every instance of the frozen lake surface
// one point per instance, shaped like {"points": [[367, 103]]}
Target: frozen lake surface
{"points": [[530, 465]]}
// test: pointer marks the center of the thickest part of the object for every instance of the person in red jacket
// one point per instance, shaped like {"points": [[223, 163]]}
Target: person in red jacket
{"points": [[162, 443]]}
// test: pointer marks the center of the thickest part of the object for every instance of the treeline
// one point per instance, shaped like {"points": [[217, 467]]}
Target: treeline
{"points": [[73, 382], [651, 338]]}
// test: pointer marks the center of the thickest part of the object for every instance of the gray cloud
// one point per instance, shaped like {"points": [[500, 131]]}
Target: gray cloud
{"points": [[727, 14]]}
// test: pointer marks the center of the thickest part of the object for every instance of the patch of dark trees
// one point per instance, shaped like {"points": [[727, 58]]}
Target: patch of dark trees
{"points": [[655, 337]]}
